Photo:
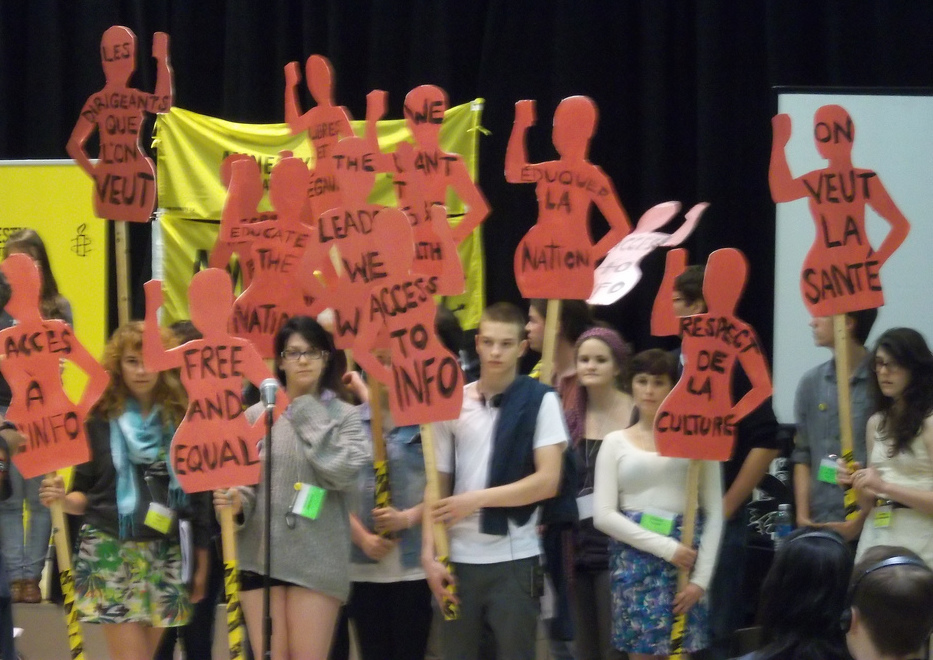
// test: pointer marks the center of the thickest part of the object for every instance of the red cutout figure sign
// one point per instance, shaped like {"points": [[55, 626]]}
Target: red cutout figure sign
{"points": [[352, 229], [556, 258], [841, 272], [425, 382], [33, 352], [124, 177], [214, 446], [283, 253], [619, 272], [421, 180], [244, 192], [325, 123], [697, 419]]}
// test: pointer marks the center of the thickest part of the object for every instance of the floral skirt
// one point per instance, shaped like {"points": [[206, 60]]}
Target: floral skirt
{"points": [[643, 587], [129, 581]]}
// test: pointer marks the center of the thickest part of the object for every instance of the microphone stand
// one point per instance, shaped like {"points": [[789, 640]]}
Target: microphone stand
{"points": [[267, 559]]}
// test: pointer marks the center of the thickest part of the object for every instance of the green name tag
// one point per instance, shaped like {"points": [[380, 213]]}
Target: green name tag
{"points": [[658, 523], [827, 471], [308, 501]]}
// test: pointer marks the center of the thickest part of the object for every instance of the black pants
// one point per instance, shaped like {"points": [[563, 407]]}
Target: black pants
{"points": [[392, 620]]}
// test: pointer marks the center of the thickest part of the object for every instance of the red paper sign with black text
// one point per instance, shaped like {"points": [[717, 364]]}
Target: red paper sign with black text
{"points": [[842, 271], [697, 419], [33, 351], [124, 177], [214, 446]]}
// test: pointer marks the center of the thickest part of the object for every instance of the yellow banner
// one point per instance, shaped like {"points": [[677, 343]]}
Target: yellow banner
{"points": [[191, 148], [54, 198]]}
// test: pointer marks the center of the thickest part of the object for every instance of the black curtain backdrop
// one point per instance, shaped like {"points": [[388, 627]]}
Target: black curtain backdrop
{"points": [[684, 89]]}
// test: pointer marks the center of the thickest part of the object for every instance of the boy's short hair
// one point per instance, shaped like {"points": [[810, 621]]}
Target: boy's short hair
{"points": [[894, 599], [504, 312]]}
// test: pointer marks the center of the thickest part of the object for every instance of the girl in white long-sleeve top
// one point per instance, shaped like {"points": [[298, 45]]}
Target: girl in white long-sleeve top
{"points": [[639, 501]]}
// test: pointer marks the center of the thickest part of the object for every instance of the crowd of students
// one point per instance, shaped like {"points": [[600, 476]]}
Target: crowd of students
{"points": [[557, 481]]}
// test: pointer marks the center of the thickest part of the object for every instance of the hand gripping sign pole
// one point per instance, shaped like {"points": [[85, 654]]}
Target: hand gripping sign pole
{"points": [[841, 272]]}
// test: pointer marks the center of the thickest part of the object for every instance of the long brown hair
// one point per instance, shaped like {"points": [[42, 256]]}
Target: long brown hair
{"points": [[169, 393], [52, 305]]}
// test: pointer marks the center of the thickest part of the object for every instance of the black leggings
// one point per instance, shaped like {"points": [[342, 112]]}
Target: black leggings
{"points": [[392, 620]]}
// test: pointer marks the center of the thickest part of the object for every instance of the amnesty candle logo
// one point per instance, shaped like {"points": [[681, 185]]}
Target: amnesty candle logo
{"points": [[81, 243]]}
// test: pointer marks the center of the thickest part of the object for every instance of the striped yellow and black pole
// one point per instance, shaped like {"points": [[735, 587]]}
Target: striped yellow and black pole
{"points": [[679, 629], [380, 459], [63, 552], [232, 586]]}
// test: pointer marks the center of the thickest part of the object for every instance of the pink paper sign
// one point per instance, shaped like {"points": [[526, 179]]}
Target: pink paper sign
{"points": [[620, 272], [214, 446], [556, 258], [33, 351], [697, 419], [124, 177], [424, 380], [841, 272]]}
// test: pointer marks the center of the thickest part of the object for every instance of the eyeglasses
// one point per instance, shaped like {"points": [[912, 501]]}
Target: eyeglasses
{"points": [[890, 365], [293, 355]]}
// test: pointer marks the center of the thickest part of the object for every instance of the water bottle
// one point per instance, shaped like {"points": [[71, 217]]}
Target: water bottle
{"points": [[783, 525]]}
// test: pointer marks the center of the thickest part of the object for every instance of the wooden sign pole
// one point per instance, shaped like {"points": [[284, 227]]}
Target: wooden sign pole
{"points": [[432, 495], [380, 460], [231, 585], [549, 344], [122, 251], [679, 629], [66, 574], [841, 346]]}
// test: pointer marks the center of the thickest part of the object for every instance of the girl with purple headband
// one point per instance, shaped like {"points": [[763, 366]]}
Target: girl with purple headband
{"points": [[597, 406]]}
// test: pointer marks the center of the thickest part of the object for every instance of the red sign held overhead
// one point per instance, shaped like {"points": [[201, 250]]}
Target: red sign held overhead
{"points": [[124, 177], [214, 446], [841, 272], [422, 177], [556, 258], [284, 253], [697, 419], [325, 124], [33, 351], [424, 380]]}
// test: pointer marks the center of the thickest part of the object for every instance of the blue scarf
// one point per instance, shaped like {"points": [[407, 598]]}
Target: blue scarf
{"points": [[137, 441]]}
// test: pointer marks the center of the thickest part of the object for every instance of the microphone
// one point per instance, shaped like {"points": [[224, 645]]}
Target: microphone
{"points": [[267, 390]]}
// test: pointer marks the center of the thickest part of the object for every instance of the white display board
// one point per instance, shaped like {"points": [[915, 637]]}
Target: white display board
{"points": [[893, 137]]}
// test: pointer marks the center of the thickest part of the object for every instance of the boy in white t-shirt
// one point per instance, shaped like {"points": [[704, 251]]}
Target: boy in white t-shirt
{"points": [[498, 459]]}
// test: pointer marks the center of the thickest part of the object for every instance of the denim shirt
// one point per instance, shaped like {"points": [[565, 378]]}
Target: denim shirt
{"points": [[816, 413], [406, 489]]}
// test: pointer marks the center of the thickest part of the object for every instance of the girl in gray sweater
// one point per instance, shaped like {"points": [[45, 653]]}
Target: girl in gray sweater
{"points": [[318, 447]]}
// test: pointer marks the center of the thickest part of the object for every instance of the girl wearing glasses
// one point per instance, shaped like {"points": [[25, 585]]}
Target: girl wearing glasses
{"points": [[896, 489], [319, 447]]}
